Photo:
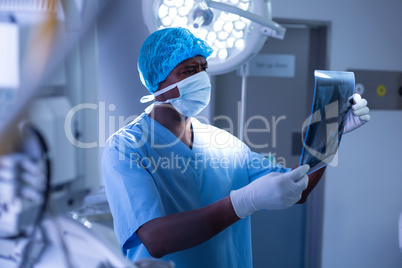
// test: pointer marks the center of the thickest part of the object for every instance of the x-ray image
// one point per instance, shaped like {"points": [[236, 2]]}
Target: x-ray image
{"points": [[322, 132]]}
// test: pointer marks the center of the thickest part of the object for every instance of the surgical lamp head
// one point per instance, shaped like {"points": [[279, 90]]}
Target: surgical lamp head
{"points": [[163, 50]]}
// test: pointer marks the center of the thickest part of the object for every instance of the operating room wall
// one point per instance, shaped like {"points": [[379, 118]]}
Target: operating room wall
{"points": [[365, 34], [363, 197], [121, 33]]}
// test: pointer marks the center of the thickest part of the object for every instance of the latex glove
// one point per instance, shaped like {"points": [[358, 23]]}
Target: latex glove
{"points": [[358, 116], [271, 191]]}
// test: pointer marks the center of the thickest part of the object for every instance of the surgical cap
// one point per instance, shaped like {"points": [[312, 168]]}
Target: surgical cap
{"points": [[163, 50]]}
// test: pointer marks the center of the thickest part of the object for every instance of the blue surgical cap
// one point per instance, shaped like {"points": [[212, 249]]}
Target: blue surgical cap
{"points": [[163, 50]]}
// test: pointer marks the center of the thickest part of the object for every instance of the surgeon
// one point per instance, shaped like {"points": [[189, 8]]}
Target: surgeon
{"points": [[182, 190]]}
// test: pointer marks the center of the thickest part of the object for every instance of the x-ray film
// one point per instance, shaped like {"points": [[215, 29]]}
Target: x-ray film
{"points": [[322, 132]]}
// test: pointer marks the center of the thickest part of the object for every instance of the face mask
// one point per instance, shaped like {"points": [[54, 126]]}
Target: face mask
{"points": [[195, 93]]}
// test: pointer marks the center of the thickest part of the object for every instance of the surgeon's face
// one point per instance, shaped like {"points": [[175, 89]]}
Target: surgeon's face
{"points": [[185, 69]]}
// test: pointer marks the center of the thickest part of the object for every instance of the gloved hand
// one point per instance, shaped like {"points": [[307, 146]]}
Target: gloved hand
{"points": [[358, 116], [271, 191]]}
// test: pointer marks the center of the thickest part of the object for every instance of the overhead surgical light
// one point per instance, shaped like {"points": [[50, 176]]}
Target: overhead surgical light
{"points": [[235, 29]]}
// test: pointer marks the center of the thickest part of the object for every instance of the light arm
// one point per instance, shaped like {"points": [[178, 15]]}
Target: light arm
{"points": [[273, 29]]}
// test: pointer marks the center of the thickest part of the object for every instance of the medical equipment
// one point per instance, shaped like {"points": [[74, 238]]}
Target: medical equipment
{"points": [[195, 94], [324, 128], [400, 232], [34, 230], [9, 55], [235, 31]]}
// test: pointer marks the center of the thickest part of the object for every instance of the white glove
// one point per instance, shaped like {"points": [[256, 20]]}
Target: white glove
{"points": [[358, 116], [271, 191]]}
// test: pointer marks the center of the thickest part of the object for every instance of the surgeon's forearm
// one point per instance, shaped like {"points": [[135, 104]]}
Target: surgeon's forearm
{"points": [[313, 179], [185, 230]]}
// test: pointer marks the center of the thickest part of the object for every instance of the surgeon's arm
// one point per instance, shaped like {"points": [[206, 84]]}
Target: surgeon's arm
{"points": [[314, 178], [184, 230]]}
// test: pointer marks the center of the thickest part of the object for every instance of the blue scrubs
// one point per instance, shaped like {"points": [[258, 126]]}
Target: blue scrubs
{"points": [[150, 173]]}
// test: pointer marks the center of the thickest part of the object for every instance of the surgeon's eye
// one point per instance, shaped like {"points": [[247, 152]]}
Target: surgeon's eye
{"points": [[188, 72]]}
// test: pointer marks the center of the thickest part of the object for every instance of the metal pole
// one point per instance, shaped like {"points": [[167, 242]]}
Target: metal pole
{"points": [[243, 100]]}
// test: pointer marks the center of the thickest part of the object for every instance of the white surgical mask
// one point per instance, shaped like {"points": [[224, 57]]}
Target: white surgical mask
{"points": [[195, 93]]}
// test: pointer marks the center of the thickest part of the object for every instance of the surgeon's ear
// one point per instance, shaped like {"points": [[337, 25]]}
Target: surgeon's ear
{"points": [[170, 94]]}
